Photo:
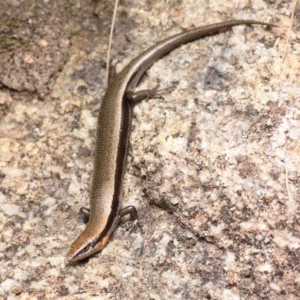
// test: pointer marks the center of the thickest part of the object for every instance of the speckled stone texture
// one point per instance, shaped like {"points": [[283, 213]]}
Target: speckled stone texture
{"points": [[213, 167]]}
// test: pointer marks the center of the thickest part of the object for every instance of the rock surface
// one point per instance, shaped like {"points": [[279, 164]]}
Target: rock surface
{"points": [[213, 167]]}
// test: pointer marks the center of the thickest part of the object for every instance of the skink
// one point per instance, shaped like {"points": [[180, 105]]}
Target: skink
{"points": [[113, 132]]}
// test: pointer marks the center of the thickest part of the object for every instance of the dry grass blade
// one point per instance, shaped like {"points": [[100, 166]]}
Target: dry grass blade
{"points": [[113, 22]]}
